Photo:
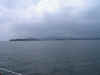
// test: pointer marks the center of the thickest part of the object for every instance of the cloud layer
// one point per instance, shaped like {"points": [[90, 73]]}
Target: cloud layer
{"points": [[44, 18]]}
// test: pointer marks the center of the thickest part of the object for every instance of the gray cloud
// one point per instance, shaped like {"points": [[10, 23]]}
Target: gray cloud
{"points": [[37, 18]]}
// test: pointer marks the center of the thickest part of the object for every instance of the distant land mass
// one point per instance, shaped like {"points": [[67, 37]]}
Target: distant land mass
{"points": [[25, 39], [36, 39]]}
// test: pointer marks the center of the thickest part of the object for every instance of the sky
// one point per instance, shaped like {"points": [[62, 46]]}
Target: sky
{"points": [[49, 18]]}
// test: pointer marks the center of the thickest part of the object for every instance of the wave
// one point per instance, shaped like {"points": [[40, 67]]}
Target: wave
{"points": [[9, 71]]}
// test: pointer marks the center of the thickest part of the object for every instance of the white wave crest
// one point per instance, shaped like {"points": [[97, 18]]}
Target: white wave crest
{"points": [[9, 71]]}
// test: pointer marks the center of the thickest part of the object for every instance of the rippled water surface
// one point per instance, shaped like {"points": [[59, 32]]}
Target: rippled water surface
{"points": [[71, 57]]}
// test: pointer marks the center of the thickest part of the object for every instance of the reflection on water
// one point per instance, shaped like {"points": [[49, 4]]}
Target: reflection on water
{"points": [[76, 57]]}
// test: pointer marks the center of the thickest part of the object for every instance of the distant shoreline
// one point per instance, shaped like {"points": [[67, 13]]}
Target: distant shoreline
{"points": [[54, 39], [24, 40]]}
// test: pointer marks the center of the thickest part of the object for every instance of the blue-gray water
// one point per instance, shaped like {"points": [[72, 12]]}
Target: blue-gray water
{"points": [[70, 57]]}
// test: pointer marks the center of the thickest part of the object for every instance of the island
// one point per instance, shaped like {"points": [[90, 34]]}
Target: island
{"points": [[25, 39]]}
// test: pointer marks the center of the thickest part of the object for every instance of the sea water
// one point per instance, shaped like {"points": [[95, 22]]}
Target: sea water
{"points": [[70, 57]]}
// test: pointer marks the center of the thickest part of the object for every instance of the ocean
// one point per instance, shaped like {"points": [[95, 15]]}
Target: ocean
{"points": [[66, 57]]}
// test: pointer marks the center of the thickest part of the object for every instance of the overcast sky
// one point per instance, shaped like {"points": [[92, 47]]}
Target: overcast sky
{"points": [[49, 18]]}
